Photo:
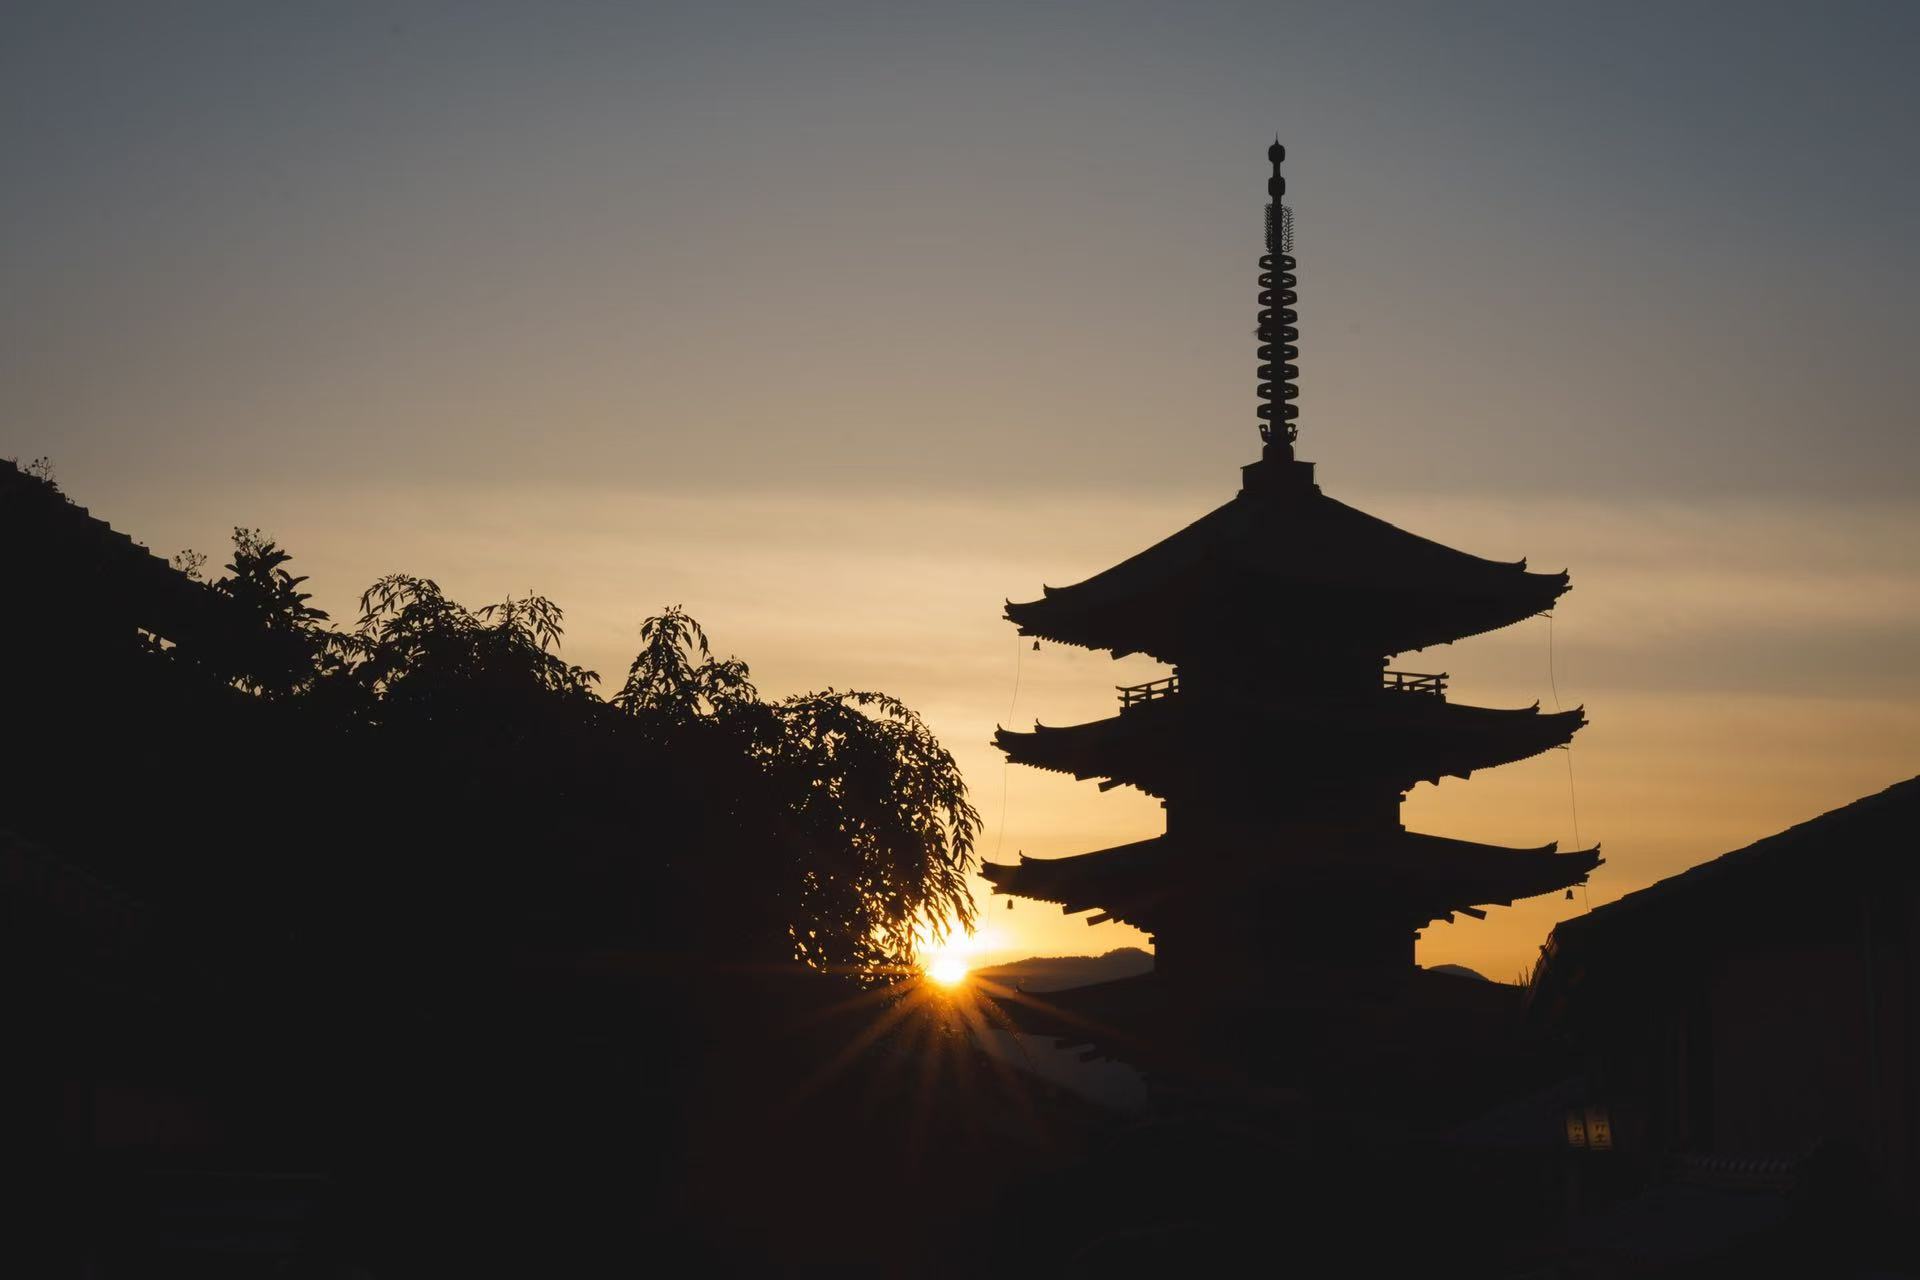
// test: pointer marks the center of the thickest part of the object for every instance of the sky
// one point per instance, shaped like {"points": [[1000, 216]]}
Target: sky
{"points": [[842, 324]]}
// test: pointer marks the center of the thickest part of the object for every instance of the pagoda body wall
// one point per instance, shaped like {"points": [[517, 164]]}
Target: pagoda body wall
{"points": [[1246, 910]]}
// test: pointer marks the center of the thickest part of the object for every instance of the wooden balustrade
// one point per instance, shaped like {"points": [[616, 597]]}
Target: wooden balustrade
{"points": [[1135, 694], [1425, 683]]}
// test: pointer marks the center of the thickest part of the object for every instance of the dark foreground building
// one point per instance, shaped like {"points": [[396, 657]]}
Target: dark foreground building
{"points": [[1281, 746], [1751, 1022]]}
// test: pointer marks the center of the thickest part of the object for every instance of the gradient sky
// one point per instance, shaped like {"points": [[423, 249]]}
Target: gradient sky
{"points": [[840, 324]]}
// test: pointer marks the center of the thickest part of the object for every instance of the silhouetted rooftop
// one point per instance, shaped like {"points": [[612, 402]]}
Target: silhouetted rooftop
{"points": [[1128, 881], [1285, 570], [1841, 854], [58, 545], [1398, 738]]}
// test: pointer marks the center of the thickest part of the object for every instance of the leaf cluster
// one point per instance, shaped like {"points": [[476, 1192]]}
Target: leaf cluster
{"points": [[284, 643], [413, 650]]}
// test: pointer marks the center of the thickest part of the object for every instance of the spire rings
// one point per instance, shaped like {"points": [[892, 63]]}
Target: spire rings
{"points": [[1278, 334]]}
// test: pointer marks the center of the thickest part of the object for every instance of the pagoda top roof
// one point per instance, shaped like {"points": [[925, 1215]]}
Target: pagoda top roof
{"points": [[1283, 565]]}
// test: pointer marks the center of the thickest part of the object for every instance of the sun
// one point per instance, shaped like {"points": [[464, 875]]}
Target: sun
{"points": [[948, 956], [948, 968]]}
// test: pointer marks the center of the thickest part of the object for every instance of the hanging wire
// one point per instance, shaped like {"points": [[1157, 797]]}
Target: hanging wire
{"points": [[1006, 764], [1573, 799]]}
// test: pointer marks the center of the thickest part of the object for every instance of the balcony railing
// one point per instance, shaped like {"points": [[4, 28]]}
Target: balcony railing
{"points": [[1132, 695], [1427, 684]]}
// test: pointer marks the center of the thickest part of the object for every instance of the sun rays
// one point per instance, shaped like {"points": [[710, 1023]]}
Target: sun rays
{"points": [[939, 1048]]}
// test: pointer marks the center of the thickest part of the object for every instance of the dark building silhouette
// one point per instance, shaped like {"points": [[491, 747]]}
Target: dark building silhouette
{"points": [[109, 596], [1281, 745], [1751, 1021]]}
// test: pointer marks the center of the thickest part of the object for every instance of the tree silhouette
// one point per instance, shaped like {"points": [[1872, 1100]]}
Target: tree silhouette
{"points": [[830, 827], [415, 651], [283, 643], [666, 679], [885, 834], [885, 814]]}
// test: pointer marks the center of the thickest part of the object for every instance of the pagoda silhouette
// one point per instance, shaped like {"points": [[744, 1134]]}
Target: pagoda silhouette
{"points": [[1282, 745]]}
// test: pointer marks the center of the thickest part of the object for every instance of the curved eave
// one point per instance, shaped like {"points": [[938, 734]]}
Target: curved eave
{"points": [[1450, 874], [1183, 619], [1393, 590], [1408, 743], [1082, 751], [1516, 879], [1532, 595], [1444, 875], [1124, 883], [1072, 878], [1512, 742]]}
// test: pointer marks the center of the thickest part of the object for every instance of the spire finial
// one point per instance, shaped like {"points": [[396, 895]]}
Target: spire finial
{"points": [[1277, 319]]}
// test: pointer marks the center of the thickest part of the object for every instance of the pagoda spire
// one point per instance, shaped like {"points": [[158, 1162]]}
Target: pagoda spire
{"points": [[1278, 383]]}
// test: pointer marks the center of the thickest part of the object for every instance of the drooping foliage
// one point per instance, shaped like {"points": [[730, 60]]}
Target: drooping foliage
{"points": [[884, 809], [831, 827], [875, 807]]}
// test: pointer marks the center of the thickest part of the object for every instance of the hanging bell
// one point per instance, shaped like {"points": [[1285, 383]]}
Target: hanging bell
{"points": [[1569, 897], [1036, 646]]}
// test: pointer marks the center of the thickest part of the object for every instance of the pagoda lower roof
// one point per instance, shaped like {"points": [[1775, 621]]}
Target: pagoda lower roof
{"points": [[1288, 568], [1391, 738], [1128, 882]]}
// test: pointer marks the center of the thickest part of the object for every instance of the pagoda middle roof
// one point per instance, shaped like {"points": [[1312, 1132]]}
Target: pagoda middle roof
{"points": [[1393, 737], [1129, 880], [1288, 568]]}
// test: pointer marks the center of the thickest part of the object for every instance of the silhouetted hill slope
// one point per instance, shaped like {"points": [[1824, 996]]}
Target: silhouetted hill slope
{"points": [[1458, 971], [1058, 973]]}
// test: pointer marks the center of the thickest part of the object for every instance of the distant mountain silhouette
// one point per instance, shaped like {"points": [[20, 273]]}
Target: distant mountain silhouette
{"points": [[1058, 973], [1458, 971]]}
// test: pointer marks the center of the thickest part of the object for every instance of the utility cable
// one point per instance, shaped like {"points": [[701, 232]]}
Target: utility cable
{"points": [[1573, 799], [1006, 765]]}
